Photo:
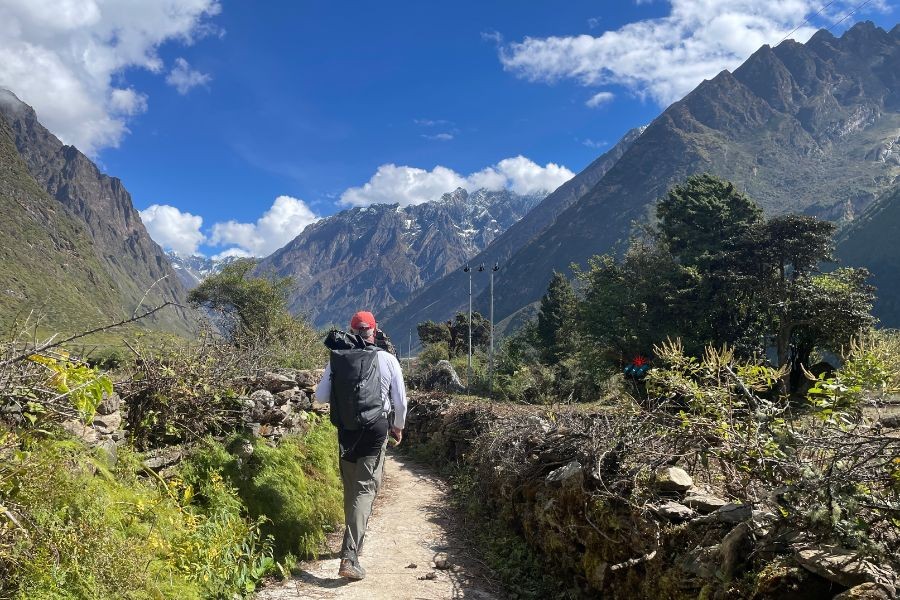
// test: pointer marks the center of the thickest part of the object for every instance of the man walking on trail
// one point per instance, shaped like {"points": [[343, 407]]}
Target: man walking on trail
{"points": [[364, 386]]}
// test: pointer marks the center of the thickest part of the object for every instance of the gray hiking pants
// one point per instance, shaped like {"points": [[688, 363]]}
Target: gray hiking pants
{"points": [[362, 480]]}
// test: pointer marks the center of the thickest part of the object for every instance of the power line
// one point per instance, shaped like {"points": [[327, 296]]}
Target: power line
{"points": [[849, 14], [819, 12]]}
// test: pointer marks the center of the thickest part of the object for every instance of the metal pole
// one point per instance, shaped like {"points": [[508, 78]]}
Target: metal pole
{"points": [[491, 361], [409, 352], [469, 367]]}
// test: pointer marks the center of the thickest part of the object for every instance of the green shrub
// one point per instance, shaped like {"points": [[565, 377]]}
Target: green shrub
{"points": [[432, 354], [82, 530], [295, 486]]}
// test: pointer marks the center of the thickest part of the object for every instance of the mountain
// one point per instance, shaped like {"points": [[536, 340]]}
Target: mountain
{"points": [[809, 128], [374, 256], [870, 241], [119, 242], [442, 298], [47, 259], [192, 270]]}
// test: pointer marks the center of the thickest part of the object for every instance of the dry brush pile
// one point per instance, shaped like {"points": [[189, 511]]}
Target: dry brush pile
{"points": [[712, 485]]}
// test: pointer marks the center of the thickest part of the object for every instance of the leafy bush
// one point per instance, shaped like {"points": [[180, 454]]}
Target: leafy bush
{"points": [[432, 354], [295, 487], [82, 530]]}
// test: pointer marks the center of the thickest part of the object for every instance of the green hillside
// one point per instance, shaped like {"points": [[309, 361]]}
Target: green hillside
{"points": [[872, 241], [47, 261]]}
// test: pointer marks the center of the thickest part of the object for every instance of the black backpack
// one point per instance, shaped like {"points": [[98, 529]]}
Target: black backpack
{"points": [[355, 382]]}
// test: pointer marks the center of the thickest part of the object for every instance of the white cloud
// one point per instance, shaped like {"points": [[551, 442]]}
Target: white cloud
{"points": [[280, 224], [665, 58], [594, 143], [232, 253], [599, 99], [173, 229], [183, 78], [410, 185], [440, 137], [66, 58]]}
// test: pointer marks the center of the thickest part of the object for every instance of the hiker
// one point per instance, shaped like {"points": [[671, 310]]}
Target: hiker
{"points": [[364, 386]]}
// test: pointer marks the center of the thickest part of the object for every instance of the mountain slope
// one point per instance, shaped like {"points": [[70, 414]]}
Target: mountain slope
{"points": [[193, 270], [133, 261], [47, 259], [801, 127], [441, 299], [372, 257], [871, 241]]}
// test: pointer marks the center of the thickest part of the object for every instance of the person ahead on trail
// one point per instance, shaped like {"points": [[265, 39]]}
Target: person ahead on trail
{"points": [[364, 386]]}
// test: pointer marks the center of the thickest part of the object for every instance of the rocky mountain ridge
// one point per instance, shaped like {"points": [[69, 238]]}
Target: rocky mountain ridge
{"points": [[133, 261], [374, 256], [193, 270], [809, 128]]}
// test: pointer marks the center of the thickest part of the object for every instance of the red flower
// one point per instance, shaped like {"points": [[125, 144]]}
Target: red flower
{"points": [[639, 361]]}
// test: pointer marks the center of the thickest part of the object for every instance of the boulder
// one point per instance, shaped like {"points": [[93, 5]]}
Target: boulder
{"points": [[163, 457], [734, 513], [441, 561], [703, 503], [890, 422], [866, 591], [107, 423], [109, 404], [442, 377], [842, 566], [289, 396], [674, 511], [275, 382], [80, 430], [262, 399], [673, 479], [735, 549], [308, 380], [569, 472]]}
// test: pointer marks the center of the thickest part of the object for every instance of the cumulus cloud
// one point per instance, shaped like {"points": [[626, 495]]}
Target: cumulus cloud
{"points": [[280, 224], [66, 57], [183, 78], [599, 99], [664, 58], [232, 253], [173, 229], [410, 185]]}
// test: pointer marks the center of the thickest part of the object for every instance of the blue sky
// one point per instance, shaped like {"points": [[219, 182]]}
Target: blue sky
{"points": [[243, 121]]}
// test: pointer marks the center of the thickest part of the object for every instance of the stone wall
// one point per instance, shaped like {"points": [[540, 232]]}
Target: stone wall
{"points": [[613, 532]]}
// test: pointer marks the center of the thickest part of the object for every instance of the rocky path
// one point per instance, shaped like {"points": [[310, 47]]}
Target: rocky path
{"points": [[412, 525]]}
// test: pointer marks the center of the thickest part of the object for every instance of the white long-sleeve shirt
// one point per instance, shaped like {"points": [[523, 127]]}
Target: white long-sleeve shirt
{"points": [[393, 391]]}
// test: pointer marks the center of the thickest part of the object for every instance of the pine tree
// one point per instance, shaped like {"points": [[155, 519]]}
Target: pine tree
{"points": [[555, 318]]}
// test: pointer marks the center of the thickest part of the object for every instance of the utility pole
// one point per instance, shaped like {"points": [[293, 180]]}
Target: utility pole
{"points": [[494, 269], [468, 270], [409, 352]]}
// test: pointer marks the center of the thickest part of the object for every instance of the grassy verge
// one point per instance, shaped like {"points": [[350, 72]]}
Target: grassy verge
{"points": [[72, 526]]}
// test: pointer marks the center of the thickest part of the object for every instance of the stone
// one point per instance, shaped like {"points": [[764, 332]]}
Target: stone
{"points": [[163, 457], [734, 513], [109, 404], [287, 396], [111, 450], [80, 430], [735, 549], [703, 503], [430, 576], [865, 591], [701, 561], [674, 511], [673, 479], [107, 423], [321, 408], [308, 380], [890, 422], [412, 566], [441, 561], [276, 382], [565, 473], [246, 404], [442, 377], [842, 566], [12, 408], [263, 399]]}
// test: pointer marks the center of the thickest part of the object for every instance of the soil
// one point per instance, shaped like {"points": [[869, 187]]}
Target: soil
{"points": [[412, 524]]}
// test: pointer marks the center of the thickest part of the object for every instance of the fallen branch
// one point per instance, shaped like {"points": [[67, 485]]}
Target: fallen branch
{"points": [[51, 344]]}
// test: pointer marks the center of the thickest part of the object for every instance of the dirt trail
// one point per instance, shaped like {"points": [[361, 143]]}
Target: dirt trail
{"points": [[411, 524]]}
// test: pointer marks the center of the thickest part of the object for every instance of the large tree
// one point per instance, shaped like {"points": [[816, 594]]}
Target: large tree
{"points": [[556, 319]]}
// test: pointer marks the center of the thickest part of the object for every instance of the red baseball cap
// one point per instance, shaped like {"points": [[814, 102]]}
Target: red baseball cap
{"points": [[362, 320]]}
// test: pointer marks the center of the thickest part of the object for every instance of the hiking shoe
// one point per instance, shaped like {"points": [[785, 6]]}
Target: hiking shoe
{"points": [[350, 570]]}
